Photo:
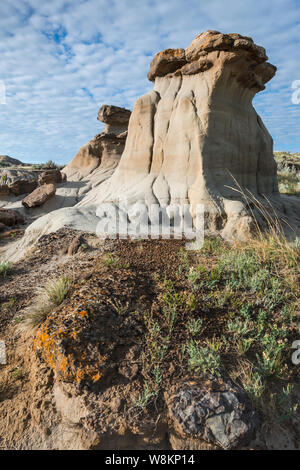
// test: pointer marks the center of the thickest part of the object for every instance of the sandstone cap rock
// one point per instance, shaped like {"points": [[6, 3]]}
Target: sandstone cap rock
{"points": [[165, 62], [197, 57]]}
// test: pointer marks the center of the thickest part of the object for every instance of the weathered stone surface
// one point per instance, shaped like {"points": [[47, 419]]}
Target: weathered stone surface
{"points": [[166, 62], [214, 410], [22, 187], [39, 196], [103, 152], [114, 115], [10, 217], [50, 176], [74, 246], [196, 58], [194, 140]]}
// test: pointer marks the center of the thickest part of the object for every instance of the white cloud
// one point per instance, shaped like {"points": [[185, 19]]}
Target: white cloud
{"points": [[61, 60]]}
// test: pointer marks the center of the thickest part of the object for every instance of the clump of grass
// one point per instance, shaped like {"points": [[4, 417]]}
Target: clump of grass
{"points": [[57, 289], [4, 268], [110, 260], [47, 298]]}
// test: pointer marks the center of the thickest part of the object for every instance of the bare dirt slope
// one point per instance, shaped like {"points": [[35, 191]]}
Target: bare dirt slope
{"points": [[142, 318]]}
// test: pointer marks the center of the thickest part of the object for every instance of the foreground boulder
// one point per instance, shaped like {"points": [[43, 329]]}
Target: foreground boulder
{"points": [[103, 152], [50, 176], [213, 410], [39, 196]]}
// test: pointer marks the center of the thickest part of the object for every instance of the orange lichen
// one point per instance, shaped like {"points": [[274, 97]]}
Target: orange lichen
{"points": [[74, 366], [83, 313]]}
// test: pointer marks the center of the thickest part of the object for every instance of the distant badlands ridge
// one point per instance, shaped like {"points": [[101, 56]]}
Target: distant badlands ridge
{"points": [[5, 160]]}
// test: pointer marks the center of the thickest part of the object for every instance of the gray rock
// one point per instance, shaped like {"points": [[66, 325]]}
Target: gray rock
{"points": [[213, 410]]}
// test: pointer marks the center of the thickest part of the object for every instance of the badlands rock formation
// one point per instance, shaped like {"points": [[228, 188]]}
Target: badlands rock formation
{"points": [[103, 152]]}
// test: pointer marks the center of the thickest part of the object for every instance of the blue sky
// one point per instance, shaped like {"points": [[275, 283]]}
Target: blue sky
{"points": [[62, 59]]}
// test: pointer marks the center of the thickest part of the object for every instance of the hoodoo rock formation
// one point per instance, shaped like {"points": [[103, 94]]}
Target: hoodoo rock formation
{"points": [[197, 136], [103, 152]]}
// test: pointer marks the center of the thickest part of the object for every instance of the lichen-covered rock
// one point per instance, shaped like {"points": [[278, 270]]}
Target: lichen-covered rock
{"points": [[39, 196], [214, 410], [50, 176]]}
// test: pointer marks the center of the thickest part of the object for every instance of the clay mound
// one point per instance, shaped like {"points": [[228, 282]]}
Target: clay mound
{"points": [[103, 152]]}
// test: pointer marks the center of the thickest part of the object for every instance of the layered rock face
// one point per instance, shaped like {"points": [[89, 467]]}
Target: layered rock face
{"points": [[103, 152], [197, 135]]}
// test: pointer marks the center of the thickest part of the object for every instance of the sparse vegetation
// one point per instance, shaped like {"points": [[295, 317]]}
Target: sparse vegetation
{"points": [[4, 268], [241, 321]]}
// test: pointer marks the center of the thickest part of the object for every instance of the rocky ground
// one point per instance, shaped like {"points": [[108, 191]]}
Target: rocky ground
{"points": [[153, 347]]}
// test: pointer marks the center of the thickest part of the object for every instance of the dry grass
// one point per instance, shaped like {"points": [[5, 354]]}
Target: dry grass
{"points": [[47, 298], [270, 241]]}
